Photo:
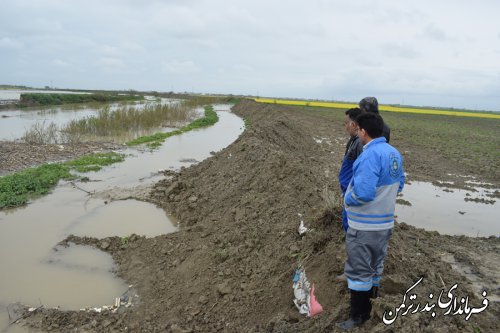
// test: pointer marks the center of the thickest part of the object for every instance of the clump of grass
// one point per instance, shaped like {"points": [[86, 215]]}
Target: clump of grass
{"points": [[125, 240], [155, 140], [17, 188], [329, 199], [247, 122], [41, 133], [34, 99], [95, 162]]}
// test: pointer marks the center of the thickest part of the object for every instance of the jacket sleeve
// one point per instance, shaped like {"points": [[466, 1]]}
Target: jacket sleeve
{"points": [[366, 175]]}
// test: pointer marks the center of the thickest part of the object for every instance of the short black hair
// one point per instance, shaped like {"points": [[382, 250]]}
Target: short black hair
{"points": [[369, 104], [372, 123], [353, 113]]}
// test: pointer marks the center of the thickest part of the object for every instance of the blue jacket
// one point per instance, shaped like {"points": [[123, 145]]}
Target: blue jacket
{"points": [[378, 177]]}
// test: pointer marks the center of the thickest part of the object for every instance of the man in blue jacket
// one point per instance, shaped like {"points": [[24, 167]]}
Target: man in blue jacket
{"points": [[353, 149], [370, 201]]}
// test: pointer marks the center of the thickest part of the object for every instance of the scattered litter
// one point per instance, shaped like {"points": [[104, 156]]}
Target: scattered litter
{"points": [[305, 300], [302, 228], [125, 300]]}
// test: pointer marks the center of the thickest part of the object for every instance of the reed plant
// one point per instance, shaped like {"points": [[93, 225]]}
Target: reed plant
{"points": [[42, 133], [126, 119], [155, 140]]}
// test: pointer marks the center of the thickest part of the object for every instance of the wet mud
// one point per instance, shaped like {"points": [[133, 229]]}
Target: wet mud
{"points": [[229, 268]]}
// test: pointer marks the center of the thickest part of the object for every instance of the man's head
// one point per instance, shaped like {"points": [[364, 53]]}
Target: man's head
{"points": [[350, 120], [371, 126], [369, 104]]}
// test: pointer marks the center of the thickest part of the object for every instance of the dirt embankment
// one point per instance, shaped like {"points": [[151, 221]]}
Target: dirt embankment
{"points": [[230, 267]]}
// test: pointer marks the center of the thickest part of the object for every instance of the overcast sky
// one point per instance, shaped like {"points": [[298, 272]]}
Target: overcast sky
{"points": [[437, 52]]}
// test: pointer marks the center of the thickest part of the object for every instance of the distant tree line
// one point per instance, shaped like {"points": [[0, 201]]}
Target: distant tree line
{"points": [[34, 99]]}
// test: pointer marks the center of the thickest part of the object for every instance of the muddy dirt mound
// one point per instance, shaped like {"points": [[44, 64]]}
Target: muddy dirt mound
{"points": [[230, 267]]}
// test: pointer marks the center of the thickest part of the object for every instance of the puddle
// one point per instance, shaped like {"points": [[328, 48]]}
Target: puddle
{"points": [[121, 218], [449, 211], [33, 273], [77, 277]]}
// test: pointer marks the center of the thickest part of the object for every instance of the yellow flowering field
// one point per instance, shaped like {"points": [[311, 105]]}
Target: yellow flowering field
{"points": [[339, 105]]}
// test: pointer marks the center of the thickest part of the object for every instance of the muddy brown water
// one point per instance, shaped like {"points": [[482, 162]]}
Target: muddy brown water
{"points": [[36, 272], [446, 211], [14, 122]]}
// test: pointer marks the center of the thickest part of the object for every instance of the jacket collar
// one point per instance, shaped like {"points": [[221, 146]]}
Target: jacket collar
{"points": [[374, 141]]}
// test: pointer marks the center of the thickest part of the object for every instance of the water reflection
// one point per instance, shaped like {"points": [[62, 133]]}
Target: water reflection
{"points": [[449, 210], [122, 218], [15, 122], [78, 277]]}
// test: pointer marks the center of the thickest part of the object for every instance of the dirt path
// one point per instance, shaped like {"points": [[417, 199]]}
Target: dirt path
{"points": [[230, 267]]}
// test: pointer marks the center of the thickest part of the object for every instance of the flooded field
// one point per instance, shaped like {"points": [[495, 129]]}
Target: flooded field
{"points": [[35, 271], [450, 211], [15, 122]]}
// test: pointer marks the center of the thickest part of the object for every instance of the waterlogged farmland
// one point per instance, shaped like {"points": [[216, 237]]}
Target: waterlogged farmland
{"points": [[83, 204], [96, 121], [236, 216]]}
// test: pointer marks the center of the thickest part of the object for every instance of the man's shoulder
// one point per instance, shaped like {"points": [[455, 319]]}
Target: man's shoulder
{"points": [[355, 148], [381, 148]]}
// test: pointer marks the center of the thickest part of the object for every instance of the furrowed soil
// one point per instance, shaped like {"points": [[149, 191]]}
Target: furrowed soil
{"points": [[230, 267]]}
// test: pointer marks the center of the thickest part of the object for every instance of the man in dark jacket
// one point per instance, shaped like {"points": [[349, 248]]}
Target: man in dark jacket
{"points": [[370, 104], [353, 149]]}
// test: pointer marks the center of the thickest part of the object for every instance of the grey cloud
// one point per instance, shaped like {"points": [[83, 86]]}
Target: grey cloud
{"points": [[435, 33], [179, 67], [315, 49], [400, 51], [10, 43]]}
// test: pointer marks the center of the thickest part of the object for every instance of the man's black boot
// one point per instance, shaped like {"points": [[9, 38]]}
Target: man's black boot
{"points": [[360, 310]]}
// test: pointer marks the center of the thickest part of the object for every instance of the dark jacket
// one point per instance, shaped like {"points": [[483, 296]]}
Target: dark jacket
{"points": [[387, 132], [353, 149]]}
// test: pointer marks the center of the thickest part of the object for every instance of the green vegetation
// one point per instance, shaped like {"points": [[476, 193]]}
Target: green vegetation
{"points": [[248, 122], [470, 143], [125, 240], [95, 162], [155, 140], [128, 119], [17, 188], [124, 123], [233, 100], [34, 99]]}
